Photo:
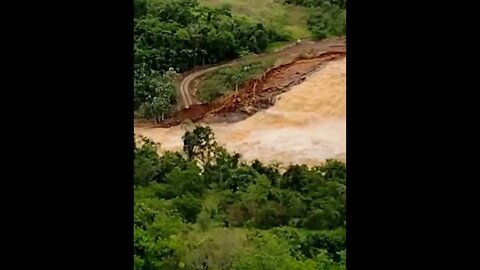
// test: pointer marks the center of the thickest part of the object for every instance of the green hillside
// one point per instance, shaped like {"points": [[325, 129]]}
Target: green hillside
{"points": [[288, 18]]}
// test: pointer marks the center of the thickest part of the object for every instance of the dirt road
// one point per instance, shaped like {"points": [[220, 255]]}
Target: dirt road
{"points": [[184, 85], [306, 45]]}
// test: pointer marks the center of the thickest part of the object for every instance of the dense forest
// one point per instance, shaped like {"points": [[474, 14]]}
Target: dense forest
{"points": [[173, 36], [205, 208]]}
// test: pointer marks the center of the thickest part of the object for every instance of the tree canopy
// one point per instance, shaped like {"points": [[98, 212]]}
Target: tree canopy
{"points": [[195, 210]]}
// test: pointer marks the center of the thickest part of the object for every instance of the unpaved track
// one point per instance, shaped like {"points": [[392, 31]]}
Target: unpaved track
{"points": [[327, 44], [184, 85]]}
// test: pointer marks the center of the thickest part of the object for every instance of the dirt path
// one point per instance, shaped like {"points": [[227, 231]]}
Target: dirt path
{"points": [[186, 90], [184, 85]]}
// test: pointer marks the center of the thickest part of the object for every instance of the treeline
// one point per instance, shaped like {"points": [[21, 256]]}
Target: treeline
{"points": [[204, 208], [182, 34], [327, 18]]}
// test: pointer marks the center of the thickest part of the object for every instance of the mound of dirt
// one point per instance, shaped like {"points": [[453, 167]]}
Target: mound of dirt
{"points": [[262, 93]]}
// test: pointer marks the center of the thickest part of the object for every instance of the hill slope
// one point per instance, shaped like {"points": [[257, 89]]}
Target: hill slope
{"points": [[292, 19]]}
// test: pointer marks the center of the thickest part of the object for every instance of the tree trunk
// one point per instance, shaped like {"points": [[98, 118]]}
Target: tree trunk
{"points": [[236, 88]]}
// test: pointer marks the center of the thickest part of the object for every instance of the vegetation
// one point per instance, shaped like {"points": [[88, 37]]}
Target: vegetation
{"points": [[289, 20], [178, 35], [207, 209], [219, 82], [316, 3], [327, 18], [154, 93]]}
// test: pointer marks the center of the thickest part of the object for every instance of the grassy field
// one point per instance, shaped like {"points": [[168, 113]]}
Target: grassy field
{"points": [[291, 19], [218, 82]]}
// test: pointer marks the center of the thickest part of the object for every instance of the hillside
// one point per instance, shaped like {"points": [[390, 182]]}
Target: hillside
{"points": [[289, 18]]}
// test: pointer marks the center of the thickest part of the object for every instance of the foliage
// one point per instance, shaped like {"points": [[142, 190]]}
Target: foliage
{"points": [[271, 171], [332, 241], [191, 212], [199, 144], [270, 254], [218, 249], [188, 180], [286, 20], [188, 206], [316, 3], [145, 162], [218, 82], [274, 252], [327, 18], [170, 161], [154, 226], [154, 93], [327, 21]]}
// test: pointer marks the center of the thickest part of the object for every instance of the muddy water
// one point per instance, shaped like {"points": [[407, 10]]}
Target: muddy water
{"points": [[306, 125]]}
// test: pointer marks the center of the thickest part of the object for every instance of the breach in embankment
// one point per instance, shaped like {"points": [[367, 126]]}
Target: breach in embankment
{"points": [[306, 124]]}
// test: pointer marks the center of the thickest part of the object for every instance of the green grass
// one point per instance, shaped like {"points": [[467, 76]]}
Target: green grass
{"points": [[275, 46], [216, 83], [291, 19], [220, 245]]}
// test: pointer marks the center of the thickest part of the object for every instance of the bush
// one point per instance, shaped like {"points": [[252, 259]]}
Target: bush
{"points": [[145, 162], [332, 241], [225, 79], [272, 214], [188, 180], [203, 220], [188, 207], [327, 21], [333, 170]]}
